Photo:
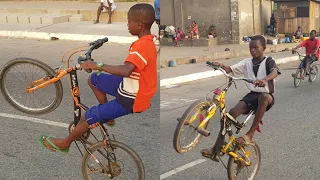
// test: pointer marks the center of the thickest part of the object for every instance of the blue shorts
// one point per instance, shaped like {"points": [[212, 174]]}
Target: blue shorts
{"points": [[108, 84]]}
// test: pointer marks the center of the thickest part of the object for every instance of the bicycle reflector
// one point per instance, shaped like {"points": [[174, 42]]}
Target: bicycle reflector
{"points": [[217, 91]]}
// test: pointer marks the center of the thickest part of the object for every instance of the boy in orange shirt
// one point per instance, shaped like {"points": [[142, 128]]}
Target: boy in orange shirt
{"points": [[133, 84]]}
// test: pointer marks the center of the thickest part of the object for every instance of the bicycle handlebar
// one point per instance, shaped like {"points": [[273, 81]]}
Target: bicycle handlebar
{"points": [[226, 74], [94, 45], [99, 42], [298, 53]]}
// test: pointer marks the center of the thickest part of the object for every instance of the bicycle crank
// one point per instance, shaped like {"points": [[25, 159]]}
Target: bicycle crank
{"points": [[84, 136]]}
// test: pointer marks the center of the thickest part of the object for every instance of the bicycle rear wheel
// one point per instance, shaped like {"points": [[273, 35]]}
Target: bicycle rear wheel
{"points": [[238, 171], [194, 136], [115, 165], [15, 82], [313, 73]]}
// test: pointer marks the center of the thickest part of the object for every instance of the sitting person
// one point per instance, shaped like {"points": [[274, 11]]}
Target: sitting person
{"points": [[179, 36], [212, 32], [171, 32], [299, 34], [105, 6], [194, 30]]}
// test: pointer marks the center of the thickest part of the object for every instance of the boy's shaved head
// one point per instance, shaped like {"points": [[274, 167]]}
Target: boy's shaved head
{"points": [[143, 12]]}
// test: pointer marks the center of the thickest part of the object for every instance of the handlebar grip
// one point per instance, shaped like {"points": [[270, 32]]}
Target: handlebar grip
{"points": [[99, 42], [211, 64], [104, 40]]}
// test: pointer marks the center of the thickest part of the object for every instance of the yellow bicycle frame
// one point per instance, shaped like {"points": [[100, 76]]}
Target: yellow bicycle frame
{"points": [[212, 110]]}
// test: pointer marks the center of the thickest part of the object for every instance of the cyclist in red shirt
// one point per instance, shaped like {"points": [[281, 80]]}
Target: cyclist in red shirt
{"points": [[312, 46]]}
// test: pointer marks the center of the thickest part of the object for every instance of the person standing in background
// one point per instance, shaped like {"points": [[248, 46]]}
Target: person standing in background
{"points": [[157, 10], [272, 24]]}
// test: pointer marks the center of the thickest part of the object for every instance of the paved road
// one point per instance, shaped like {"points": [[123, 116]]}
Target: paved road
{"points": [[289, 139], [21, 155]]}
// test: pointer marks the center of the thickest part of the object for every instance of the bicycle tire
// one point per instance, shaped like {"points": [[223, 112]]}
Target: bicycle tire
{"points": [[314, 68], [231, 159], [296, 80], [115, 144], [189, 112], [49, 71]]}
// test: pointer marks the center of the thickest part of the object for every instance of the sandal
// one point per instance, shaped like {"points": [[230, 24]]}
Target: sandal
{"points": [[54, 148]]}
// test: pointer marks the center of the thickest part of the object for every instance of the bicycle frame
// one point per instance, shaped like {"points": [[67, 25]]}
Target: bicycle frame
{"points": [[225, 127], [78, 106]]}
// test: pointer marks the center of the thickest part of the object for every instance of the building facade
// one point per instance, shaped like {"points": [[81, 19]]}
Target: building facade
{"points": [[233, 19], [294, 13]]}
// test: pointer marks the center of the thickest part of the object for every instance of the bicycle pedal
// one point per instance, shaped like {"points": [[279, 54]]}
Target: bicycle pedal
{"points": [[212, 157], [203, 132]]}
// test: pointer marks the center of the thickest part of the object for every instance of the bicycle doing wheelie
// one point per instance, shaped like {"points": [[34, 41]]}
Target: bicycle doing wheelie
{"points": [[196, 118], [101, 157], [313, 69]]}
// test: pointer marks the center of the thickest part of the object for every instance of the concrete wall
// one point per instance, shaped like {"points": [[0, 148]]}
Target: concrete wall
{"points": [[257, 17], [167, 12], [266, 11], [246, 18], [204, 12], [254, 17]]}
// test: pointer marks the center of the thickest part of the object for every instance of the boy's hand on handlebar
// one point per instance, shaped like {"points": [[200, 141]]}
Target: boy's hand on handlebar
{"points": [[217, 64], [89, 65], [260, 83]]}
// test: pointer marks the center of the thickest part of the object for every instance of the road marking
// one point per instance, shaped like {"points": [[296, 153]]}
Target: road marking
{"points": [[59, 124], [164, 104], [36, 120], [181, 168]]}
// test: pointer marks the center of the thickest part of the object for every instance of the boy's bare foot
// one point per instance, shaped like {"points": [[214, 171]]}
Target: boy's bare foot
{"points": [[110, 123], [109, 22], [96, 22], [245, 139]]}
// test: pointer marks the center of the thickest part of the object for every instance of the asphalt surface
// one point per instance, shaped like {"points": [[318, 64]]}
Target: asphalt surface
{"points": [[289, 139], [22, 156], [290, 135]]}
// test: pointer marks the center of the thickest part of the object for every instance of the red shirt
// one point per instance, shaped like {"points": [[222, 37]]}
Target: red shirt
{"points": [[311, 46]]}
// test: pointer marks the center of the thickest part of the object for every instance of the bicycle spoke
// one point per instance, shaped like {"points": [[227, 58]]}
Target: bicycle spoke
{"points": [[24, 73]]}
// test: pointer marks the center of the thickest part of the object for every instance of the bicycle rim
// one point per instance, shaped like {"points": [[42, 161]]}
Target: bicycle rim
{"points": [[15, 80], [297, 78], [237, 171], [313, 73], [119, 169], [184, 144]]}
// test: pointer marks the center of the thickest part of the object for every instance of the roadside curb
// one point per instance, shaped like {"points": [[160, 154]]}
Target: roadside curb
{"points": [[224, 54], [64, 36], [164, 83]]}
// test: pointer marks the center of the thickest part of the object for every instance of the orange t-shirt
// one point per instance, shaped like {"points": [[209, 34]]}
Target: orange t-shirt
{"points": [[138, 89]]}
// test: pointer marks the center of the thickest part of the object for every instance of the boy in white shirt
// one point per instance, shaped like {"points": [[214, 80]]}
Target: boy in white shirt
{"points": [[105, 5], [263, 70]]}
